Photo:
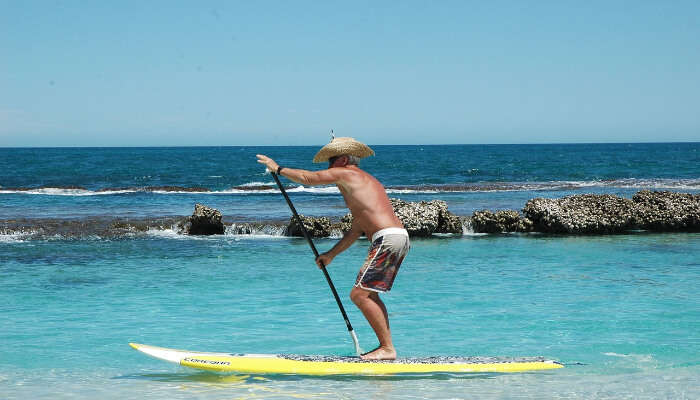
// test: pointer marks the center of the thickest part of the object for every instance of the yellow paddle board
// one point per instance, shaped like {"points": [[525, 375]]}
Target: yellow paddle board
{"points": [[339, 365]]}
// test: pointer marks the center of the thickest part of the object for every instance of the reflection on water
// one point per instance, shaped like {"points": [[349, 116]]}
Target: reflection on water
{"points": [[299, 386], [211, 377]]}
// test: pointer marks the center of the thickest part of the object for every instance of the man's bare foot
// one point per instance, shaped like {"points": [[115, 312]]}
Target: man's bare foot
{"points": [[380, 353]]}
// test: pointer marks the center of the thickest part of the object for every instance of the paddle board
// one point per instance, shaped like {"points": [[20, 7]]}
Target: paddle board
{"points": [[339, 365]]}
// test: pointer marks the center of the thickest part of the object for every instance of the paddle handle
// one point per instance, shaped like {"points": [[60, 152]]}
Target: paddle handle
{"points": [[323, 267]]}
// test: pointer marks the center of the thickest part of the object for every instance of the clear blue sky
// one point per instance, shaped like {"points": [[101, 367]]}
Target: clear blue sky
{"points": [[154, 73]]}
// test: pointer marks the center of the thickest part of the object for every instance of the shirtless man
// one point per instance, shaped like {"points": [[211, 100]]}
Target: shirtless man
{"points": [[374, 217]]}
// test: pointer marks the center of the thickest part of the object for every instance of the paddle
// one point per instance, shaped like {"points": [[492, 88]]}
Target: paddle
{"points": [[323, 267]]}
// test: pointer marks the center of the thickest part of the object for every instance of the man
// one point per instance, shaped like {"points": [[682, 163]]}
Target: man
{"points": [[373, 216]]}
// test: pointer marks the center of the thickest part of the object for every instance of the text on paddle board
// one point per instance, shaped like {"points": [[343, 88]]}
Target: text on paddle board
{"points": [[210, 362]]}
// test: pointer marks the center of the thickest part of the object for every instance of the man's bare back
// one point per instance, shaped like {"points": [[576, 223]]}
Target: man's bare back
{"points": [[367, 200]]}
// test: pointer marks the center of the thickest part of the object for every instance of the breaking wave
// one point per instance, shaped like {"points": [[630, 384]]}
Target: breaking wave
{"points": [[14, 237], [271, 187], [102, 228]]}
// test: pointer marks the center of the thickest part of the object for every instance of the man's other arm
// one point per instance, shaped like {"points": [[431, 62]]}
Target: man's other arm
{"points": [[348, 239]]}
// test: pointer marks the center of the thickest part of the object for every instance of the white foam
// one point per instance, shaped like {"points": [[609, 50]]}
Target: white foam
{"points": [[17, 236], [336, 234], [108, 192], [631, 183], [273, 232], [611, 354], [244, 191], [624, 183], [474, 234], [173, 192], [405, 191], [54, 192], [467, 227], [484, 187], [254, 184], [317, 190], [12, 237], [67, 192], [296, 189], [642, 358], [468, 230], [168, 234], [687, 184], [265, 231], [238, 237]]}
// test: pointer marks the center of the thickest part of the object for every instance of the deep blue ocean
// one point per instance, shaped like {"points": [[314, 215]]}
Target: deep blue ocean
{"points": [[622, 312]]}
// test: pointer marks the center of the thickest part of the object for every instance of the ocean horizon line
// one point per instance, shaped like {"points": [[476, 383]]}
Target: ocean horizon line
{"points": [[377, 145]]}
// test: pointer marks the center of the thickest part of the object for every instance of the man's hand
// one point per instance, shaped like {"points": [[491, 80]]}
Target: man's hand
{"points": [[269, 163], [324, 258]]}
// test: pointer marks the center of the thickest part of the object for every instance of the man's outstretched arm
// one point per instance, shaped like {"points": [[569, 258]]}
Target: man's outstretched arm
{"points": [[305, 177]]}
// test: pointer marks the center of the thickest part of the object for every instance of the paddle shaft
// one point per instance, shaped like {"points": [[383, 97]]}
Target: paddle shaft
{"points": [[323, 267]]}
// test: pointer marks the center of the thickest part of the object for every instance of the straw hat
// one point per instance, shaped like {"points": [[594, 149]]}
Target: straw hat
{"points": [[343, 145]]}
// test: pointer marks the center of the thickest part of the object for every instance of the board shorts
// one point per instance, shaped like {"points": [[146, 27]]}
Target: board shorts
{"points": [[387, 251]]}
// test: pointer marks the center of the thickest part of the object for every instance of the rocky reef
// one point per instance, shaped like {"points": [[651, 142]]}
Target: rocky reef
{"points": [[315, 226], [204, 221], [426, 217], [657, 211], [419, 218], [581, 214], [667, 211], [586, 214], [99, 227], [485, 221]]}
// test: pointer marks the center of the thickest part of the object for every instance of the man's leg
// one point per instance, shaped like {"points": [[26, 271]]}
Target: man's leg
{"points": [[375, 311]]}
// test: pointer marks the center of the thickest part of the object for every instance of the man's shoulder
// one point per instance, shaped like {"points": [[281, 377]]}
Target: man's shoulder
{"points": [[354, 172]]}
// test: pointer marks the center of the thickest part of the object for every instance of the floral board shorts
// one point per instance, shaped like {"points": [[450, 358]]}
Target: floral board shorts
{"points": [[388, 249]]}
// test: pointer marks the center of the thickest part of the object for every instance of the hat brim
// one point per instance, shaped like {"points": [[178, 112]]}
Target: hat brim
{"points": [[341, 146]]}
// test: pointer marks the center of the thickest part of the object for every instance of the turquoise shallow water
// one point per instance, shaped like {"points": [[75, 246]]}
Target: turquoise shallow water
{"points": [[626, 307]]}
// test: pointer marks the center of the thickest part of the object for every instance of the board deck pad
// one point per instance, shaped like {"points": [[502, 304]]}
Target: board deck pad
{"points": [[342, 365], [414, 360]]}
